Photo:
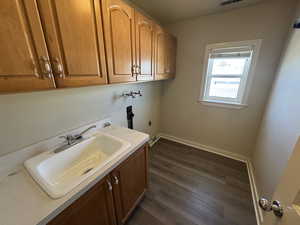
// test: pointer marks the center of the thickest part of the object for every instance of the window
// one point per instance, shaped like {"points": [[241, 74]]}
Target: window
{"points": [[228, 72]]}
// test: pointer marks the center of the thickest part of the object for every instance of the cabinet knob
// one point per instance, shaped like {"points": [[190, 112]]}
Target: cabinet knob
{"points": [[46, 67], [139, 70], [58, 68], [116, 180], [134, 69], [109, 185]]}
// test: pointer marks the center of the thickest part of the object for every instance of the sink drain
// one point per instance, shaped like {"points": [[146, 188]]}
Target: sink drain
{"points": [[88, 170]]}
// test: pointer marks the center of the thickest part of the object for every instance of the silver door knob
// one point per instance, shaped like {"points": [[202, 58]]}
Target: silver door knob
{"points": [[274, 206]]}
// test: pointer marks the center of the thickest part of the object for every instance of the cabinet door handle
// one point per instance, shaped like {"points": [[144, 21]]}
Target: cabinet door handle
{"points": [[46, 67], [139, 70], [58, 69], [109, 185], [134, 70], [116, 180]]}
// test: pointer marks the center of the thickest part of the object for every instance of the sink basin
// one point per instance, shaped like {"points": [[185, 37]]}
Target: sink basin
{"points": [[59, 173]]}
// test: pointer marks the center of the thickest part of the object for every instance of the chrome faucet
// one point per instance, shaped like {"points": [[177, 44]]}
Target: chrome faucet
{"points": [[78, 136], [73, 139]]}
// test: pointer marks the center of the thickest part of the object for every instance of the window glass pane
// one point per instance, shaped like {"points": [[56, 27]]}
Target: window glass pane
{"points": [[224, 87], [228, 66]]}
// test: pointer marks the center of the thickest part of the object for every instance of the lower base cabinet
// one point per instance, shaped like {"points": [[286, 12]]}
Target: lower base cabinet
{"points": [[129, 184], [113, 199], [94, 208]]}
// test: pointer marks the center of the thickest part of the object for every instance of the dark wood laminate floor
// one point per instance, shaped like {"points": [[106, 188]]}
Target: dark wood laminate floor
{"points": [[192, 187]]}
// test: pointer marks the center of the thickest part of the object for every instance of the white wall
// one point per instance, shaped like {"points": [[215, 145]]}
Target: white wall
{"points": [[280, 128], [28, 118], [228, 129]]}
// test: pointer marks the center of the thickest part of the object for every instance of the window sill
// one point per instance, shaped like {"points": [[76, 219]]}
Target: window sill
{"points": [[223, 104]]}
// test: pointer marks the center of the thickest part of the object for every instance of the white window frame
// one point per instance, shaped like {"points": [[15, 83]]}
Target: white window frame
{"points": [[245, 85]]}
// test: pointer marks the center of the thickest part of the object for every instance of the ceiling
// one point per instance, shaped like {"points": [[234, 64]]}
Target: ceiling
{"points": [[170, 11]]}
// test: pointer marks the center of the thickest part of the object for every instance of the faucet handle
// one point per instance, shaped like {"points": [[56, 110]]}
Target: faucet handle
{"points": [[68, 138], [107, 124], [132, 94], [63, 137], [139, 93]]}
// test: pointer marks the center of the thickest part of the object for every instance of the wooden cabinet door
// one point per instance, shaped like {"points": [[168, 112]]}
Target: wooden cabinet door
{"points": [[120, 40], [75, 40], [129, 183], [94, 208], [171, 47], [144, 47], [24, 57], [160, 54], [165, 55]]}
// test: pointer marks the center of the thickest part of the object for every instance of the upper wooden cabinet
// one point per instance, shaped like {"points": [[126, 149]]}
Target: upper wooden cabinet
{"points": [[75, 41], [47, 44], [120, 40], [171, 48], [24, 64], [144, 47], [165, 54]]}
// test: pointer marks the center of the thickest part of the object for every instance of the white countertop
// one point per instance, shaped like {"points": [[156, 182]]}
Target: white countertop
{"points": [[23, 202]]}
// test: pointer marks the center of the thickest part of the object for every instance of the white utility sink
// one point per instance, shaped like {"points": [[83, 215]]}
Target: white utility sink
{"points": [[59, 173]]}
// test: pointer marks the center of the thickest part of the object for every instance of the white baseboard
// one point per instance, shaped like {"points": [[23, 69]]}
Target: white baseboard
{"points": [[255, 195], [199, 146], [153, 140], [228, 154]]}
